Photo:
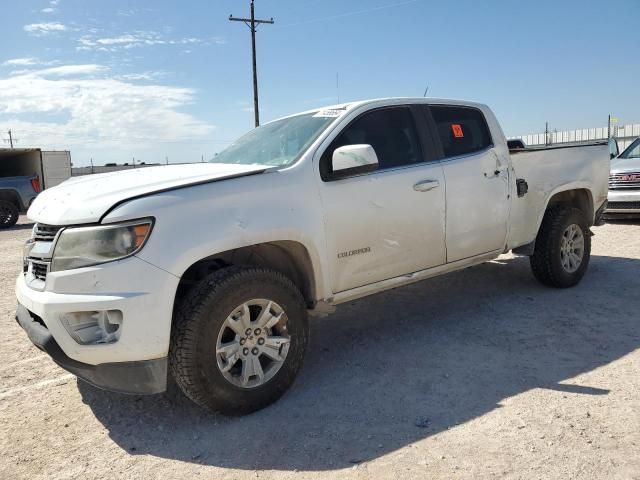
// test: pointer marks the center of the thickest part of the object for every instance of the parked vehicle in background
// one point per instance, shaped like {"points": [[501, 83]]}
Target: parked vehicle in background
{"points": [[16, 195], [51, 167], [24, 172], [516, 144], [210, 270], [624, 183]]}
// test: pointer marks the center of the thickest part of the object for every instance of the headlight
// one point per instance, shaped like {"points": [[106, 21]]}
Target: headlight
{"points": [[85, 246]]}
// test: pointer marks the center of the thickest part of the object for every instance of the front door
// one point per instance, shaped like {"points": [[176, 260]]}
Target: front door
{"points": [[389, 222]]}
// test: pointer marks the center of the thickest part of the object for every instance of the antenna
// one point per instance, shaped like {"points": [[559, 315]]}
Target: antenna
{"points": [[426, 91]]}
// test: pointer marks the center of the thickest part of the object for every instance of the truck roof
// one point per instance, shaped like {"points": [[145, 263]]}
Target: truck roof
{"points": [[386, 101]]}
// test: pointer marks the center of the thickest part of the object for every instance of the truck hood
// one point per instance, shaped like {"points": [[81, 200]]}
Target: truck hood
{"points": [[625, 165], [86, 199]]}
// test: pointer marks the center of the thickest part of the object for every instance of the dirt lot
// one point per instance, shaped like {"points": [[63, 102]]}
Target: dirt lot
{"points": [[479, 374]]}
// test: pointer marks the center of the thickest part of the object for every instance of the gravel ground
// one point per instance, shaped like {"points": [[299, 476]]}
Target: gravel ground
{"points": [[478, 374]]}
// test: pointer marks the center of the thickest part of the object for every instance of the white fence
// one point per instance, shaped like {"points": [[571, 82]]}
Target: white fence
{"points": [[625, 134], [79, 171]]}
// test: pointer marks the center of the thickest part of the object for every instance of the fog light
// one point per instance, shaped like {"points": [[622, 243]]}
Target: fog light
{"points": [[90, 328]]}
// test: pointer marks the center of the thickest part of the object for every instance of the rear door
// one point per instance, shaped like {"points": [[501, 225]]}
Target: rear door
{"points": [[477, 183]]}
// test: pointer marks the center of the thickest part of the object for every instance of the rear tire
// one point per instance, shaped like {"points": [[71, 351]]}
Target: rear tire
{"points": [[563, 248], [9, 214], [213, 359]]}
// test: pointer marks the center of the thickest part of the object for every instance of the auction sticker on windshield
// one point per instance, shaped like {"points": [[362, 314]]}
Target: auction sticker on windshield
{"points": [[331, 113]]}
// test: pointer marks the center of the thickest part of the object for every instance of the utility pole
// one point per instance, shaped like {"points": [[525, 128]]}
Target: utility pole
{"points": [[546, 134], [610, 130], [252, 23], [10, 140]]}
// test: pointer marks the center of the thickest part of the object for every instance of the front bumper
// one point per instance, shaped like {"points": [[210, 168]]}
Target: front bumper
{"points": [[143, 293], [624, 202], [141, 377]]}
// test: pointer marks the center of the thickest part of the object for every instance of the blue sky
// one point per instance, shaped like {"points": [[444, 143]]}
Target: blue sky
{"points": [[148, 79]]}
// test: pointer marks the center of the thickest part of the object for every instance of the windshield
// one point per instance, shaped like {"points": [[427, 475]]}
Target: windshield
{"points": [[278, 143], [632, 151]]}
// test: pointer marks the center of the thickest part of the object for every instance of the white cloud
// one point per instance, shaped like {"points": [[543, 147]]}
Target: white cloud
{"points": [[126, 13], [48, 10], [141, 76], [82, 106], [124, 39], [67, 70], [139, 39], [22, 62], [27, 62], [44, 28]]}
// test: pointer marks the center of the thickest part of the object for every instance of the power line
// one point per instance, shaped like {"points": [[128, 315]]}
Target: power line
{"points": [[349, 14], [251, 23]]}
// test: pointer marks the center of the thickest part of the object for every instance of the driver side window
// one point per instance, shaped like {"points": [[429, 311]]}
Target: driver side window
{"points": [[390, 131]]}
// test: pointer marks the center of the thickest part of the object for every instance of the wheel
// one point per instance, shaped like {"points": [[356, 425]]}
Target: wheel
{"points": [[563, 248], [9, 214], [239, 339]]}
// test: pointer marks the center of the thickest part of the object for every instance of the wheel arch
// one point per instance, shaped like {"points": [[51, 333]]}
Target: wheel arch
{"points": [[291, 258], [580, 198]]}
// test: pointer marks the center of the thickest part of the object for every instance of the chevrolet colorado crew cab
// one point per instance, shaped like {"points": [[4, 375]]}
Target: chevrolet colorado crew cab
{"points": [[207, 273]]}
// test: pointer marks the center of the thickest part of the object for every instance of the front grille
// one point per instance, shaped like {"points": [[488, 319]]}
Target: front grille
{"points": [[623, 206], [39, 269], [45, 233], [624, 181]]}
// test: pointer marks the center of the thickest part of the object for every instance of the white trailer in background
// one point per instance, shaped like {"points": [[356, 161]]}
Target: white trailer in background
{"points": [[56, 167], [51, 167]]}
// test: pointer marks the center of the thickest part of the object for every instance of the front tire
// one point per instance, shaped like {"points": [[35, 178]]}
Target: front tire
{"points": [[239, 339], [563, 248], [9, 214]]}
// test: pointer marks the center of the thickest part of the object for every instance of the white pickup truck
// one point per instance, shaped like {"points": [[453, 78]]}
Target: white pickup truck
{"points": [[208, 272]]}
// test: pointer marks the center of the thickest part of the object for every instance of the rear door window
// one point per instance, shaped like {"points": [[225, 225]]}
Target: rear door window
{"points": [[462, 130]]}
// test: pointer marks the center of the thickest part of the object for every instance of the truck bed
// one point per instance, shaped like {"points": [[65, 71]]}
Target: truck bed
{"points": [[548, 170]]}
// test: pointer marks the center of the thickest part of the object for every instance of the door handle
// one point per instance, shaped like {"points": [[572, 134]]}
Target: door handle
{"points": [[426, 185]]}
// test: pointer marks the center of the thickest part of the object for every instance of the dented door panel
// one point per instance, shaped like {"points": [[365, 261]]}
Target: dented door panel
{"points": [[378, 226]]}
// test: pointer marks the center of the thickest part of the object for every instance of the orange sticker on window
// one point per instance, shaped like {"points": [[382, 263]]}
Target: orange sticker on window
{"points": [[457, 130]]}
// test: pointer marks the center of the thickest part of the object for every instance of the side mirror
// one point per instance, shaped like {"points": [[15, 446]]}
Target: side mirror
{"points": [[353, 160]]}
